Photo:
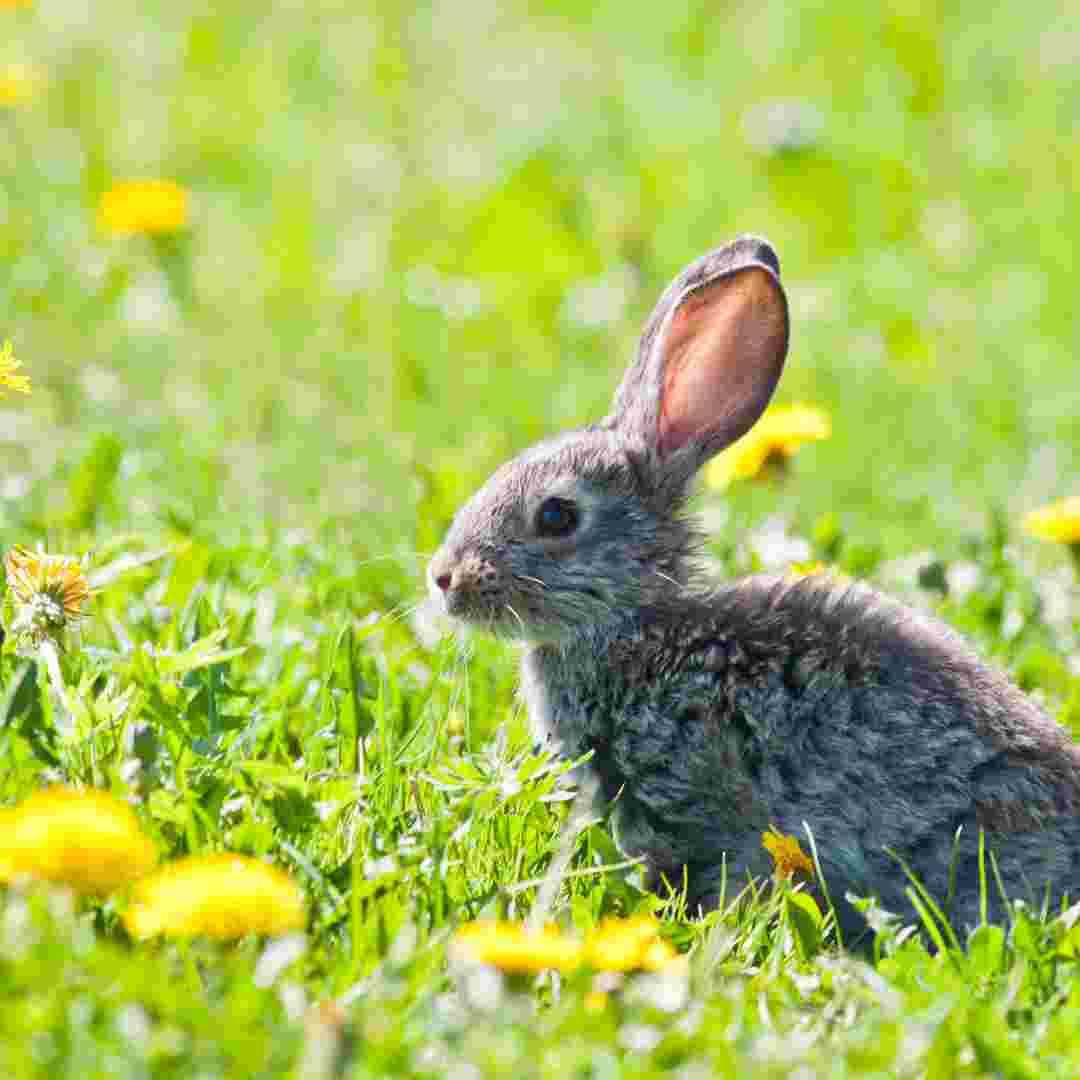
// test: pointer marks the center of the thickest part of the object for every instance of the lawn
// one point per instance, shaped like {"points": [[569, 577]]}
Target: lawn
{"points": [[414, 240]]}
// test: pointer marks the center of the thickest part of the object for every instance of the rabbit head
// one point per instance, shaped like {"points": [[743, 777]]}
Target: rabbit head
{"points": [[588, 525]]}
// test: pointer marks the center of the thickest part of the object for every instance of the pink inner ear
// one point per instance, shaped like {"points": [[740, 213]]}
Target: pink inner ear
{"points": [[723, 353]]}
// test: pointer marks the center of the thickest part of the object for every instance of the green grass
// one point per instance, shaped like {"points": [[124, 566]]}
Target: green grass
{"points": [[420, 239]]}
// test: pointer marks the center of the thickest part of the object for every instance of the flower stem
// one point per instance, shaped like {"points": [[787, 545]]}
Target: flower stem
{"points": [[51, 657]]}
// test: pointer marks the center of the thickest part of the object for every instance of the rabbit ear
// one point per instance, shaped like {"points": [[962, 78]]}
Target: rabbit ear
{"points": [[710, 358]]}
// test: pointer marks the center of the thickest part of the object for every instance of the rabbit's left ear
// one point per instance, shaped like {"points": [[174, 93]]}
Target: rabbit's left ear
{"points": [[710, 358]]}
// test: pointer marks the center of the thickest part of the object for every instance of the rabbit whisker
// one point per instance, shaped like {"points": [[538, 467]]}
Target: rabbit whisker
{"points": [[521, 622], [403, 556]]}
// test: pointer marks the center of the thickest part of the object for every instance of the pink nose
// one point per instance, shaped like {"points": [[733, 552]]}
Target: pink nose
{"points": [[443, 581]]}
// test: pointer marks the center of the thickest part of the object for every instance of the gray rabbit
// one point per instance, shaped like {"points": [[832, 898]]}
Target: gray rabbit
{"points": [[713, 711]]}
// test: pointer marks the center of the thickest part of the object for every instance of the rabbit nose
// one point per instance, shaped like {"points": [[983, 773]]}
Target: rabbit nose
{"points": [[459, 577], [442, 572]]}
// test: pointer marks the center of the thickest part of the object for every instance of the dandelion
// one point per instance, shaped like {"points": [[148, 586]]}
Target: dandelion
{"points": [[786, 853], [48, 593], [658, 955], [10, 379], [143, 206], [817, 568], [628, 945], [87, 840], [1058, 522], [515, 949], [19, 85], [12, 5], [807, 569], [616, 945], [775, 438], [220, 896]]}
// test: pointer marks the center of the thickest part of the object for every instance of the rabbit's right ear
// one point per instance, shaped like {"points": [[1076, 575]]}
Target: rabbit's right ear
{"points": [[710, 358]]}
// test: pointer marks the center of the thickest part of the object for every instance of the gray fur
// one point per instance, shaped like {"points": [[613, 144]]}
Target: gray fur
{"points": [[714, 712]]}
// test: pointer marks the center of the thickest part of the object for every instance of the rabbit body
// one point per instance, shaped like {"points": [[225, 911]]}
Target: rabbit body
{"points": [[781, 701], [712, 713]]}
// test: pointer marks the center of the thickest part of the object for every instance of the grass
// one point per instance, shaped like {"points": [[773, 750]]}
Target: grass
{"points": [[419, 239]]}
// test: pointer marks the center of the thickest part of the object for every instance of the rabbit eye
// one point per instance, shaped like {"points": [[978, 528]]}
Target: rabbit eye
{"points": [[556, 517]]}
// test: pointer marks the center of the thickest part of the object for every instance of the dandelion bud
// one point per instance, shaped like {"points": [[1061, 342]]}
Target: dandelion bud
{"points": [[47, 595]]}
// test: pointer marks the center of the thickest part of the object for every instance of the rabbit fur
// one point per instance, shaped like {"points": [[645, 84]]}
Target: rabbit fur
{"points": [[715, 711]]}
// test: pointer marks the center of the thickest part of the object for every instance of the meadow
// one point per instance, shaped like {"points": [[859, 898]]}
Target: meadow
{"points": [[398, 243]]}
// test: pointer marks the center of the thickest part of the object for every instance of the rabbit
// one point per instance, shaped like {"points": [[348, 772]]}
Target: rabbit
{"points": [[714, 711]]}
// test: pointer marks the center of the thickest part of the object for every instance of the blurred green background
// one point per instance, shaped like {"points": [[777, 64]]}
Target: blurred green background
{"points": [[421, 237]]}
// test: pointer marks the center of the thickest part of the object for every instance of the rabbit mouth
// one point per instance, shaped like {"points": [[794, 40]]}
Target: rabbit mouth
{"points": [[524, 617], [506, 616], [490, 611], [504, 622]]}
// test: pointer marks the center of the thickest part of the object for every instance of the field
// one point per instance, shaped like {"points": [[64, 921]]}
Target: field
{"points": [[414, 240]]}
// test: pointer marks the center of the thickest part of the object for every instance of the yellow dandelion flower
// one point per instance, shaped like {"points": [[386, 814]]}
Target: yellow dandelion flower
{"points": [[515, 949], [88, 840], [10, 379], [220, 896], [807, 569], [48, 593], [11, 5], [816, 568], [658, 955], [19, 85], [595, 1001], [786, 853], [628, 945], [1059, 522], [777, 436], [143, 206]]}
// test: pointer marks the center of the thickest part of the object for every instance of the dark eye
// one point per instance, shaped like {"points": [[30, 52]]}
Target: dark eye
{"points": [[557, 517]]}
